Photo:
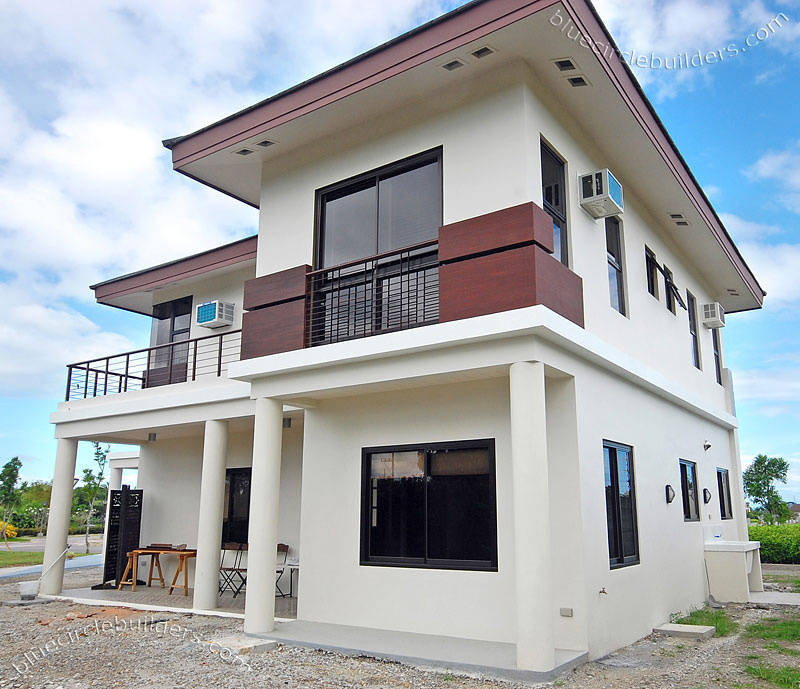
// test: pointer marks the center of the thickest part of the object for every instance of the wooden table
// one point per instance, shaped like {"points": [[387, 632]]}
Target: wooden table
{"points": [[155, 553]]}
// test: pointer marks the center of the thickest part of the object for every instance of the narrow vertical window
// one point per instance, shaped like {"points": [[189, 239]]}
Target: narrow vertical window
{"points": [[691, 307], [717, 354], [691, 507], [555, 200], [668, 289], [651, 267], [614, 254], [724, 490], [623, 536]]}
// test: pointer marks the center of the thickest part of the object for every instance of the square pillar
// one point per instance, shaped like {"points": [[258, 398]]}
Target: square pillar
{"points": [[58, 520], [209, 523], [534, 572], [259, 611]]}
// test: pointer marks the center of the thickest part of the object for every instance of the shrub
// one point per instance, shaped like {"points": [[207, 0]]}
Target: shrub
{"points": [[780, 543], [11, 530]]}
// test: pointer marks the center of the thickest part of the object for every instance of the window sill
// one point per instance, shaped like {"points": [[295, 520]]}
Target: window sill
{"points": [[458, 566], [622, 565]]}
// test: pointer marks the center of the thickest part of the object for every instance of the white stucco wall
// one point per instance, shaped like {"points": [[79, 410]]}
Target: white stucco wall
{"points": [[335, 588], [169, 475]]}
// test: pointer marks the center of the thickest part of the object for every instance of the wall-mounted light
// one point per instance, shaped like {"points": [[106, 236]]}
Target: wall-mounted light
{"points": [[706, 496], [151, 437], [706, 445], [670, 494]]}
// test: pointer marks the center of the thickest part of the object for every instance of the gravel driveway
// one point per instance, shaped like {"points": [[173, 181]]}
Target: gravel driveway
{"points": [[77, 647]]}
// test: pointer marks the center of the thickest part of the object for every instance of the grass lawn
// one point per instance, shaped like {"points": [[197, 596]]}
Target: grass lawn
{"points": [[17, 539], [776, 628], [787, 677], [711, 618], [22, 559], [784, 580]]}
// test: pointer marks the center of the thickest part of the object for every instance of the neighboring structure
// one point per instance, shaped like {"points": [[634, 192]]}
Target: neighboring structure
{"points": [[477, 410]]}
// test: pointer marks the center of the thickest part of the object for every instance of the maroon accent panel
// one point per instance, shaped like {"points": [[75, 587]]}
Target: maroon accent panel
{"points": [[508, 280], [498, 230], [275, 288], [274, 329]]}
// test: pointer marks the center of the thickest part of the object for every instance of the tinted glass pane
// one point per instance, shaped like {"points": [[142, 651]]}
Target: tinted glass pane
{"points": [[627, 508], [397, 504], [553, 181], [611, 507], [615, 288], [350, 223], [689, 491], [461, 506], [612, 240], [559, 242], [409, 208], [240, 507]]}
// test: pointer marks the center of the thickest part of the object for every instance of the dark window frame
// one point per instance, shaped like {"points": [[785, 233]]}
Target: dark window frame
{"points": [[715, 342], [690, 498], [615, 263], [651, 269], [229, 507], [724, 493], [363, 180], [671, 290], [614, 521], [365, 559], [558, 211], [691, 308]]}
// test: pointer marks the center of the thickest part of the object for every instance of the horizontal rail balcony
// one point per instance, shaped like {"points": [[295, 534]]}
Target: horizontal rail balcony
{"points": [[175, 362], [488, 264]]}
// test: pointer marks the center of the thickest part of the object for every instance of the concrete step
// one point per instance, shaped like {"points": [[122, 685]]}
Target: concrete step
{"points": [[686, 631]]}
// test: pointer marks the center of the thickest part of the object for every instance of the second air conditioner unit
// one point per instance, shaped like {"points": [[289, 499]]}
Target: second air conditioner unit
{"points": [[713, 315], [215, 314], [601, 194]]}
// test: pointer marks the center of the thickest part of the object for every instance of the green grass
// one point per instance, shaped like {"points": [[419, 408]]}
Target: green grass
{"points": [[17, 539], [778, 628], [712, 618], [17, 558], [787, 677], [775, 646], [784, 580]]}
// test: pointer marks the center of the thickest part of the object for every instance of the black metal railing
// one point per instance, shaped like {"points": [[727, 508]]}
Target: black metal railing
{"points": [[391, 291], [176, 362]]}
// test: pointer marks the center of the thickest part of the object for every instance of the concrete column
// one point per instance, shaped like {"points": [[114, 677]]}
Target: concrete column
{"points": [[533, 576], [58, 520], [114, 483], [209, 523], [259, 611]]}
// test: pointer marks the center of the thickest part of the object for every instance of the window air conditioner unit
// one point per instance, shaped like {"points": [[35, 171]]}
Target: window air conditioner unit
{"points": [[215, 314], [713, 315], [601, 194]]}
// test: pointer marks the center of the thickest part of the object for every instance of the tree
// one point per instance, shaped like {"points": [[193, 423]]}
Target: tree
{"points": [[93, 486], [759, 479], [9, 493]]}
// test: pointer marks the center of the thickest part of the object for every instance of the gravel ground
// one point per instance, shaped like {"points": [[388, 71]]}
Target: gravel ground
{"points": [[116, 647]]}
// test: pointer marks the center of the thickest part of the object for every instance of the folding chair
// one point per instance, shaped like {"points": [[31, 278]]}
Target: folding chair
{"points": [[280, 568], [233, 577]]}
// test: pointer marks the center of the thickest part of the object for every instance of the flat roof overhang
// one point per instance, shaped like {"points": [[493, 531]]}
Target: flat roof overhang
{"points": [[135, 291], [613, 112]]}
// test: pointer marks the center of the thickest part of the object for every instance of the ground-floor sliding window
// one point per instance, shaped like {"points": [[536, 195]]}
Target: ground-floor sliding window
{"points": [[691, 504], [724, 489], [623, 536], [430, 505], [236, 506]]}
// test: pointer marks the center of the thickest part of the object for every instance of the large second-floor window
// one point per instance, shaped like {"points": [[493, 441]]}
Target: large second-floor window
{"points": [[717, 355], [554, 200], [390, 208], [691, 307]]}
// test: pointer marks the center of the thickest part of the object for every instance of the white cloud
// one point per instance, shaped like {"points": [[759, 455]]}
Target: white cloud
{"points": [[782, 168], [745, 230], [87, 92]]}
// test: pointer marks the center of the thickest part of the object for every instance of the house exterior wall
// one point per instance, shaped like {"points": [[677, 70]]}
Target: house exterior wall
{"points": [[169, 475], [490, 132]]}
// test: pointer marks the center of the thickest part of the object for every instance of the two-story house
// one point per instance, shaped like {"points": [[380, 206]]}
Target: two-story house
{"points": [[477, 404]]}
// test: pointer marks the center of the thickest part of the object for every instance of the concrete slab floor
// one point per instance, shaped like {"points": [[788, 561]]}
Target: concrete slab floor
{"points": [[463, 655], [775, 598]]}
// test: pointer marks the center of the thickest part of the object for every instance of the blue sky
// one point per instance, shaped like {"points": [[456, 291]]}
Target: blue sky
{"points": [[88, 91]]}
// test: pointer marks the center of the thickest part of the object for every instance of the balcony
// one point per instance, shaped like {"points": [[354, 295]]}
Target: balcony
{"points": [[489, 264], [176, 362]]}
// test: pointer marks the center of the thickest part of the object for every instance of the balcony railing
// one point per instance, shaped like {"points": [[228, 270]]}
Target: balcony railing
{"points": [[391, 291], [176, 362]]}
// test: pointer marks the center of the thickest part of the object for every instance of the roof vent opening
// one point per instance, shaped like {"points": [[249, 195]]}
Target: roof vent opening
{"points": [[453, 65], [266, 143], [676, 216], [483, 51], [575, 82], [243, 152], [565, 64], [682, 223]]}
